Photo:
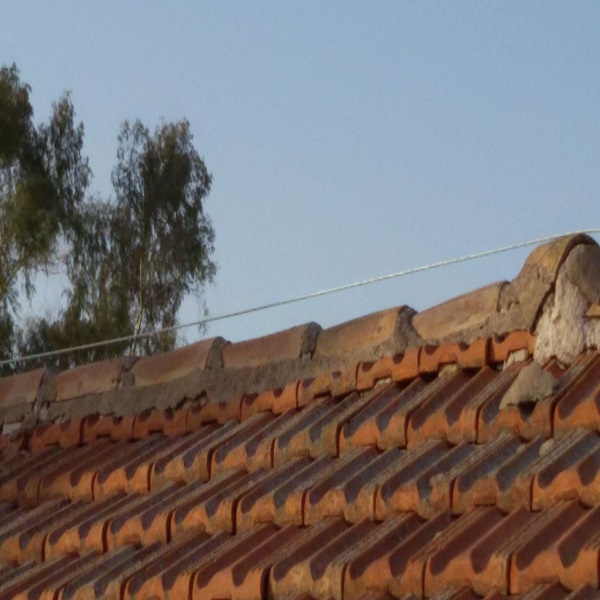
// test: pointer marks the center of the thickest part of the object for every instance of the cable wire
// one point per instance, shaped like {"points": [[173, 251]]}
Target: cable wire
{"points": [[310, 296]]}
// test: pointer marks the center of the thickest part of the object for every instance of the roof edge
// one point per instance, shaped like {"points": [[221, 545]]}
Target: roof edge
{"points": [[222, 370]]}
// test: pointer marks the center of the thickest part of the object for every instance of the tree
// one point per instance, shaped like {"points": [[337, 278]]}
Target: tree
{"points": [[43, 179], [130, 259]]}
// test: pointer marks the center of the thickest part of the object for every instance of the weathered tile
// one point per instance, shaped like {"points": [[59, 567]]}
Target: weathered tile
{"points": [[569, 470], [578, 404], [315, 431], [169, 366], [104, 577], [250, 446], [215, 506], [188, 458], [372, 425], [263, 503], [417, 481], [289, 344], [107, 426], [168, 422], [475, 552], [487, 480], [535, 558], [207, 412], [71, 475], [22, 532], [94, 378], [336, 493], [163, 573], [501, 347], [20, 389], [86, 530], [240, 571], [443, 414], [464, 356]]}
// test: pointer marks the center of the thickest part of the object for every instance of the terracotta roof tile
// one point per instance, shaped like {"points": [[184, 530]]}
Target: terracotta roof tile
{"points": [[399, 367], [152, 370], [89, 379], [214, 507], [358, 462], [20, 389], [285, 345], [277, 401], [113, 427], [188, 458], [221, 412]]}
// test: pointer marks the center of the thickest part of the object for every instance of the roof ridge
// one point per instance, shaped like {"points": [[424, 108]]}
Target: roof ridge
{"points": [[487, 324]]}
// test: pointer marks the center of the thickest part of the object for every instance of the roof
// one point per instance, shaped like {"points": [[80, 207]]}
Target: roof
{"points": [[449, 454]]}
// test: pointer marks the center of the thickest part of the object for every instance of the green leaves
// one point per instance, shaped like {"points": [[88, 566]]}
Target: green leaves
{"points": [[130, 259]]}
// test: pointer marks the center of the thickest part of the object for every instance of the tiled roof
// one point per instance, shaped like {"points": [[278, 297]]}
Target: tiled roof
{"points": [[449, 454]]}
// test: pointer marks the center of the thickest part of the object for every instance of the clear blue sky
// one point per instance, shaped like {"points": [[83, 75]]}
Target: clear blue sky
{"points": [[346, 139]]}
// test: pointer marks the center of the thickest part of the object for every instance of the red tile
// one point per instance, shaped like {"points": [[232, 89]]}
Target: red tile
{"points": [[108, 426], [318, 568], [85, 532], [528, 420], [271, 500], [10, 574], [475, 552], [584, 593], [103, 578], [569, 470], [251, 447], [316, 429], [578, 405], [240, 570], [221, 412], [398, 368], [579, 551], [451, 412], [32, 584], [488, 479], [22, 533], [69, 475], [536, 559], [464, 356], [292, 574], [337, 491], [168, 422], [370, 570], [169, 366], [141, 520], [501, 347], [395, 560], [23, 468], [129, 469], [146, 580], [214, 507], [73, 476], [290, 344], [188, 458], [373, 330], [94, 378], [20, 389], [283, 503], [65, 435], [334, 384], [277, 401], [382, 421], [418, 480]]}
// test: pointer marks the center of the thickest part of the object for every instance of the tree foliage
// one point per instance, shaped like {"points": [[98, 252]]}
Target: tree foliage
{"points": [[130, 259]]}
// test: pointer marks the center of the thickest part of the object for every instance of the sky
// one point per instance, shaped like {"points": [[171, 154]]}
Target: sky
{"points": [[346, 140]]}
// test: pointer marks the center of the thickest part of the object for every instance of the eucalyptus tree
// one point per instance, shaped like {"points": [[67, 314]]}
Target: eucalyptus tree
{"points": [[130, 259]]}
